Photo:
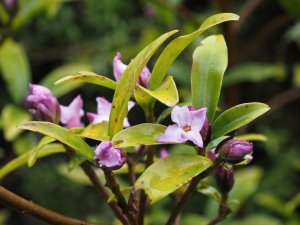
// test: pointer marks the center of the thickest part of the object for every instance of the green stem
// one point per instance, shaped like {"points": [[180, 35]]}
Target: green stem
{"points": [[29, 208]]}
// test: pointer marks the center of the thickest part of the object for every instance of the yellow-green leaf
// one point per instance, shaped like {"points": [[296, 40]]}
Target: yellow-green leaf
{"points": [[142, 134], [88, 77], [175, 47], [127, 83], [94, 131], [167, 174], [61, 134]]}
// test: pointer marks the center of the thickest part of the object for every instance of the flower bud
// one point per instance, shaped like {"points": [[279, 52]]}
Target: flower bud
{"points": [[10, 5], [233, 151], [42, 104], [224, 179], [108, 156]]}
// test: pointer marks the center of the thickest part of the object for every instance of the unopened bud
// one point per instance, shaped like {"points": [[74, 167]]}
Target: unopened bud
{"points": [[225, 179]]}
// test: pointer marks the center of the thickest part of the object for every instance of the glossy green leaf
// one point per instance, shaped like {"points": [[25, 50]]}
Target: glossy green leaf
{"points": [[15, 69], [167, 174], [142, 134], [33, 157], [14, 164], [209, 64], [12, 116], [253, 72], [175, 47], [60, 73], [88, 77], [215, 142], [127, 83], [167, 92], [94, 131], [252, 137], [236, 117], [61, 134]]}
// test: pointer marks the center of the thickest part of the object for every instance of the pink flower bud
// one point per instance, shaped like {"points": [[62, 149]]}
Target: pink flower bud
{"points": [[108, 156], [225, 179], [42, 104]]}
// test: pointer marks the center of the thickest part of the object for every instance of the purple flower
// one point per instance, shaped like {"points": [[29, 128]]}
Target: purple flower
{"points": [[103, 111], [164, 153], [211, 155], [71, 115], [119, 67], [188, 125], [233, 151], [42, 104], [108, 156], [225, 179]]}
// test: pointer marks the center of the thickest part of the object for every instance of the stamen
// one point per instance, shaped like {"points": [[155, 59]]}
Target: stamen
{"points": [[187, 128]]}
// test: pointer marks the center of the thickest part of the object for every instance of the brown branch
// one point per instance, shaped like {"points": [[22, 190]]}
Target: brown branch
{"points": [[29, 208], [224, 210]]}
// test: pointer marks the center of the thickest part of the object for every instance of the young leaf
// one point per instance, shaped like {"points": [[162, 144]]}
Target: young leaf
{"points": [[33, 157], [61, 134], [167, 174], [88, 77], [60, 73], [127, 83], [12, 116], [176, 46], [15, 69], [167, 92], [94, 131], [142, 134], [209, 64], [22, 159], [236, 117]]}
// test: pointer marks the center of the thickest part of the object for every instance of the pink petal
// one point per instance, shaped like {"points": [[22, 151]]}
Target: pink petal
{"points": [[71, 115], [194, 137], [103, 106], [118, 66], [198, 119], [173, 134], [181, 116]]}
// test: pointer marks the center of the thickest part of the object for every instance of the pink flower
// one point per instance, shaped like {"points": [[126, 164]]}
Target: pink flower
{"points": [[108, 156], [164, 153], [71, 115], [188, 125], [42, 104], [103, 111], [119, 67]]}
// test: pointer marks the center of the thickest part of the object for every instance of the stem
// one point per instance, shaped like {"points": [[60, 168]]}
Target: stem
{"points": [[29, 208], [131, 173], [188, 193], [223, 211], [88, 170], [115, 188]]}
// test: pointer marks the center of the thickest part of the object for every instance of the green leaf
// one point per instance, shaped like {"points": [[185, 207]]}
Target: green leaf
{"points": [[33, 157], [15, 69], [88, 77], [12, 116], [167, 174], [94, 131], [127, 83], [61, 134], [296, 75], [209, 64], [209, 191], [22, 159], [236, 117], [212, 144], [252, 137], [60, 73], [253, 72], [175, 47], [142, 134], [167, 92]]}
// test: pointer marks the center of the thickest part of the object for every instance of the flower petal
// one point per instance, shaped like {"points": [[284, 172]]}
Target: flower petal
{"points": [[173, 134], [194, 137], [71, 115], [181, 116], [118, 66], [198, 118]]}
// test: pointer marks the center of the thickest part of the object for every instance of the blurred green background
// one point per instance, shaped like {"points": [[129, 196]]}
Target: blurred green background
{"points": [[44, 40]]}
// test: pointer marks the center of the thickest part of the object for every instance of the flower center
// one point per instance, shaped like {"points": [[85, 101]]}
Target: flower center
{"points": [[187, 128]]}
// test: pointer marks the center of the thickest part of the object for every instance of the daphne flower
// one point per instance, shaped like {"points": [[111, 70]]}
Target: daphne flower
{"points": [[233, 151], [71, 115], [108, 156], [42, 104], [119, 67], [103, 111], [188, 125]]}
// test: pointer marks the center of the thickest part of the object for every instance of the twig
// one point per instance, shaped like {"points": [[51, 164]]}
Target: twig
{"points": [[29, 208], [131, 173], [224, 210], [188, 193], [103, 193], [115, 188]]}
